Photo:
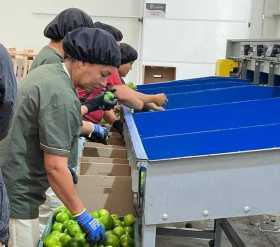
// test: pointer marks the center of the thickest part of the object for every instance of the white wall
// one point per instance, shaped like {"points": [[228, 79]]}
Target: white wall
{"points": [[265, 19], [190, 37], [23, 22], [193, 34]]}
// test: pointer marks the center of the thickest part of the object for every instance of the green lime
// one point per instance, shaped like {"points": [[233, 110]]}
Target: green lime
{"points": [[95, 214], [74, 243], [62, 209], [126, 241], [109, 96], [103, 211], [64, 239], [112, 239], [74, 230], [115, 217], [61, 217], [107, 221], [81, 237], [51, 241], [118, 231], [129, 230], [57, 227], [56, 234], [129, 219]]}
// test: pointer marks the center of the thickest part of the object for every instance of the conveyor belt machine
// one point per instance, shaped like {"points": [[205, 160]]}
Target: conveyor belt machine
{"points": [[213, 154]]}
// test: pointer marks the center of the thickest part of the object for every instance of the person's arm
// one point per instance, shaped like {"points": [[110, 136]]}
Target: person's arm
{"points": [[153, 107], [158, 99], [84, 110], [58, 129], [61, 182], [87, 128], [110, 116], [56, 169], [128, 97]]}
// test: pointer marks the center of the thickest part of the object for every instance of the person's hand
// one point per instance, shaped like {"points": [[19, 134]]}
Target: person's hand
{"points": [[94, 230], [104, 101], [99, 134]]}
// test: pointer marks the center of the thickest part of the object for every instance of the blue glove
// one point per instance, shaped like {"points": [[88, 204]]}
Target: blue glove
{"points": [[99, 134], [95, 231]]}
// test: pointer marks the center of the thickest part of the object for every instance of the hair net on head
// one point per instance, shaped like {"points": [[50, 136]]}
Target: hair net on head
{"points": [[112, 30], [92, 45], [128, 53], [66, 21]]}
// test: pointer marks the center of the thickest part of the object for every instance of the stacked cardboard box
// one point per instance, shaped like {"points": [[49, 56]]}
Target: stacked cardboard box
{"points": [[105, 177]]}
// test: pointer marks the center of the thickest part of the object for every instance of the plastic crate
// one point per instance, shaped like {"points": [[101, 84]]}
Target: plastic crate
{"points": [[49, 227], [46, 232]]}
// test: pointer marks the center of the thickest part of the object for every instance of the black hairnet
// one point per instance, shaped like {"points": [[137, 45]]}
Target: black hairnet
{"points": [[66, 21], [112, 30], [128, 53], [92, 45]]}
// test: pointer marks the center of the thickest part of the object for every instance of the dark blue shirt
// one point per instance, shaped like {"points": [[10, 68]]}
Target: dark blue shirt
{"points": [[8, 91]]}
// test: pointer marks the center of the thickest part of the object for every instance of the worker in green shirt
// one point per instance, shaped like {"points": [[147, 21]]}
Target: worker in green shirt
{"points": [[66, 21], [47, 123]]}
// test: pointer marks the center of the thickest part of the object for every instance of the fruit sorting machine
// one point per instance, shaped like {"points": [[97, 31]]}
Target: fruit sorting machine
{"points": [[213, 154]]}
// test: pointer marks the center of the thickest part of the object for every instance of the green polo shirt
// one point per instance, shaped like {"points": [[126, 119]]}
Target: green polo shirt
{"points": [[46, 56], [47, 119]]}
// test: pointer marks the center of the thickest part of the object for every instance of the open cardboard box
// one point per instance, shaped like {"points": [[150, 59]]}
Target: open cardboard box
{"points": [[106, 169], [111, 192], [105, 151], [104, 160]]}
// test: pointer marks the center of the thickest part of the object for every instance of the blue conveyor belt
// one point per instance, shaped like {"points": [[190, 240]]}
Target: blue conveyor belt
{"points": [[194, 87], [220, 96], [209, 79], [213, 142], [207, 116]]}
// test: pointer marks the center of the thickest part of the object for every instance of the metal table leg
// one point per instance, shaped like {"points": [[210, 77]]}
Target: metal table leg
{"points": [[148, 236], [222, 225], [257, 72], [217, 234]]}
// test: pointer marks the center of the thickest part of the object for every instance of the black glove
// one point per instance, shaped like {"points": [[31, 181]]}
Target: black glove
{"points": [[99, 134], [74, 175], [118, 125], [105, 101]]}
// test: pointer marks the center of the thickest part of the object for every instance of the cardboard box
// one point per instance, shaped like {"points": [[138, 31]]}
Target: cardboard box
{"points": [[106, 151], [111, 192], [106, 169], [104, 160], [116, 140]]}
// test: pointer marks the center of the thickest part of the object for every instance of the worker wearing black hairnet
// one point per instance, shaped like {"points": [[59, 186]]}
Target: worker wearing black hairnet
{"points": [[46, 126], [8, 91], [64, 22]]}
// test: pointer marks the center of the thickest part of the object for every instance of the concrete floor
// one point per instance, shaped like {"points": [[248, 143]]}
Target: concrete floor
{"points": [[247, 228]]}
